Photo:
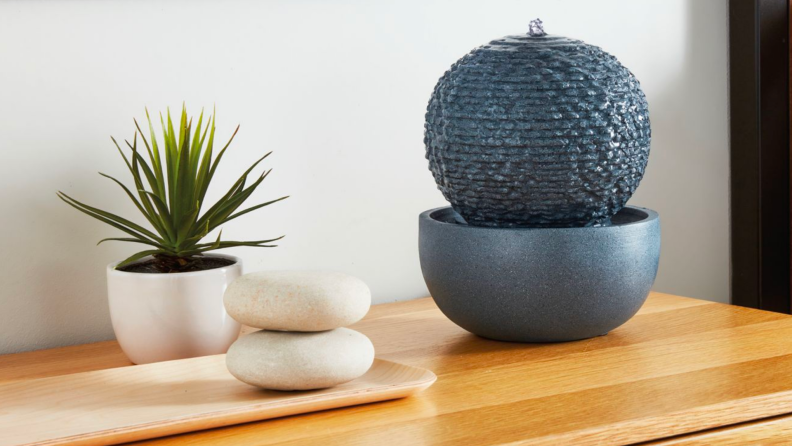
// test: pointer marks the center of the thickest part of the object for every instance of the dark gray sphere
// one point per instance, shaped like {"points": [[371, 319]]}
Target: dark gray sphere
{"points": [[537, 132]]}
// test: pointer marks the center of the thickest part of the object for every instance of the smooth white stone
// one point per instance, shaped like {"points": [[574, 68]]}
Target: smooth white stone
{"points": [[297, 300], [300, 361]]}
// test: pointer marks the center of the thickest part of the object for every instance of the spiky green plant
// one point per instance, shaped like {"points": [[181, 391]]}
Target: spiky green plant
{"points": [[174, 198]]}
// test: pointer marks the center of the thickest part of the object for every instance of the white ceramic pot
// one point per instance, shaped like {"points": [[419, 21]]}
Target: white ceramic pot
{"points": [[159, 317]]}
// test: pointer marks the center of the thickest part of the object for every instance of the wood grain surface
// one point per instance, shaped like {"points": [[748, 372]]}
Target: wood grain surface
{"points": [[680, 366], [772, 431], [124, 404]]}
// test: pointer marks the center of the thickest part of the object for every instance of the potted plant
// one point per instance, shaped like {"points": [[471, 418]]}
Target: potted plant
{"points": [[166, 302]]}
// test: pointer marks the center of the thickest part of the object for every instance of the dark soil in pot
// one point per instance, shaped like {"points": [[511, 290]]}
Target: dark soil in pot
{"points": [[171, 266]]}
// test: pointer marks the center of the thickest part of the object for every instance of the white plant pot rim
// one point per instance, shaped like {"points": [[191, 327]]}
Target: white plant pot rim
{"points": [[111, 268]]}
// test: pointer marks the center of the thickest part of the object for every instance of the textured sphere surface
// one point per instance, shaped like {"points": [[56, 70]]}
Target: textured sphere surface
{"points": [[539, 284], [537, 132], [297, 300], [300, 361]]}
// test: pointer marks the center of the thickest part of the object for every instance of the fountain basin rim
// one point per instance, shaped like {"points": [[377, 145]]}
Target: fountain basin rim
{"points": [[627, 216]]}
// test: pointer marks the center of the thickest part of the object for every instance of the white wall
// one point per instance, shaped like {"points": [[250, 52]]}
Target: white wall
{"points": [[338, 89]]}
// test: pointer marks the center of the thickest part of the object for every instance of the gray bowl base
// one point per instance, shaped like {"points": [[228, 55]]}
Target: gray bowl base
{"points": [[539, 284]]}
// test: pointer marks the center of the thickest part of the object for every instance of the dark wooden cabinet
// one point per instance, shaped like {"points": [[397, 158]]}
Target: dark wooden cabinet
{"points": [[759, 89]]}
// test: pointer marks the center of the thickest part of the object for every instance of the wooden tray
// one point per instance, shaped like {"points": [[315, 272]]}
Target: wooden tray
{"points": [[147, 401]]}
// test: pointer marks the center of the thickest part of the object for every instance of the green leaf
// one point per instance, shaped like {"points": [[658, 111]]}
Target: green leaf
{"points": [[235, 189], [216, 244], [229, 207], [181, 207], [140, 162], [156, 159], [238, 243], [253, 208], [151, 216], [216, 162], [232, 193], [135, 257], [145, 141], [202, 182], [75, 204], [131, 240], [165, 216], [183, 231], [195, 148], [200, 249], [115, 218], [156, 170], [122, 154], [183, 132], [196, 236], [171, 158], [133, 168]]}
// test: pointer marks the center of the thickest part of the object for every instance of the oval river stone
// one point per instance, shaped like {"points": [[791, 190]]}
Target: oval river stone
{"points": [[297, 300], [300, 361]]}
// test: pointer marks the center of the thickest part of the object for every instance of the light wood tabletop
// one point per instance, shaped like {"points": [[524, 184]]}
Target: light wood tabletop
{"points": [[697, 371]]}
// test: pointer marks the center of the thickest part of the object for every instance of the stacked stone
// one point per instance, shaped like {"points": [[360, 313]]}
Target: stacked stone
{"points": [[302, 344]]}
